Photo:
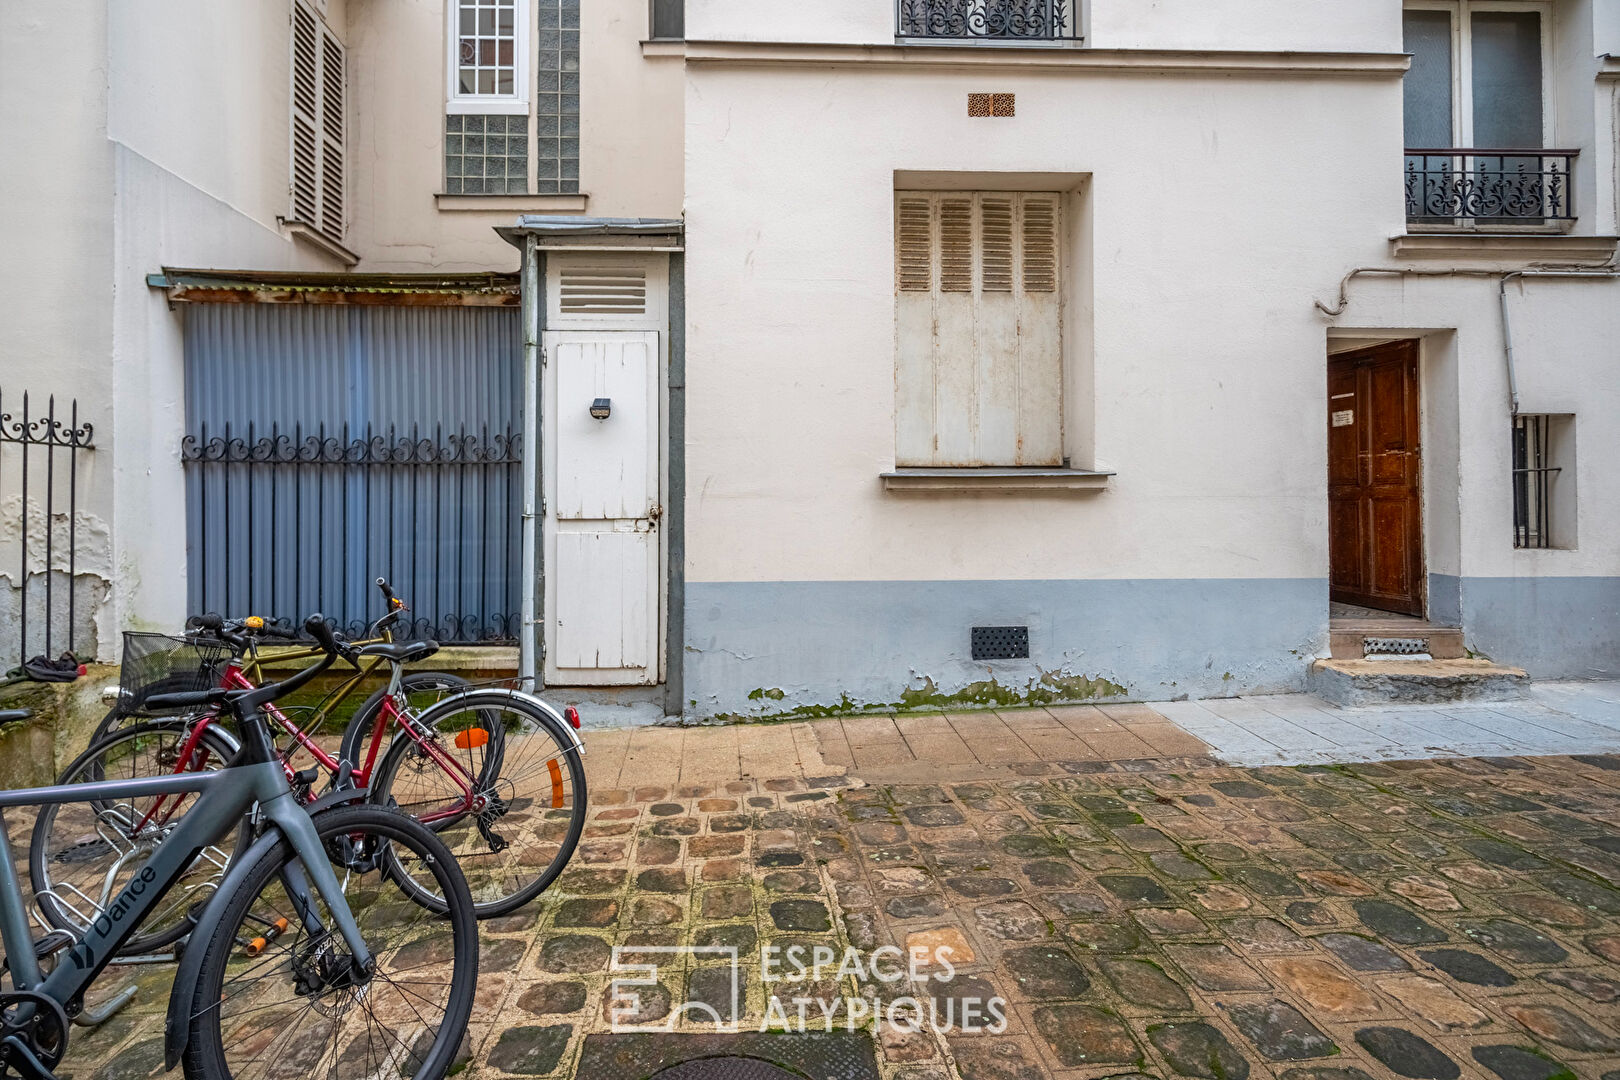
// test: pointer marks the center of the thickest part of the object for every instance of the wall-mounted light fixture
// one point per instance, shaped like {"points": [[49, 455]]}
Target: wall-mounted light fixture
{"points": [[602, 408]]}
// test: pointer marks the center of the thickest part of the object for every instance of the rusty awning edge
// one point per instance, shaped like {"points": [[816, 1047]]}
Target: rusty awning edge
{"points": [[570, 230], [282, 287]]}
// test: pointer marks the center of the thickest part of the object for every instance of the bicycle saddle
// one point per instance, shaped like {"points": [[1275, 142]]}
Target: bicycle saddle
{"points": [[401, 652]]}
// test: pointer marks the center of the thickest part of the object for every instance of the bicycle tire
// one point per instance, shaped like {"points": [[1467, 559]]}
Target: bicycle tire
{"points": [[230, 1017], [415, 682], [93, 852], [499, 885]]}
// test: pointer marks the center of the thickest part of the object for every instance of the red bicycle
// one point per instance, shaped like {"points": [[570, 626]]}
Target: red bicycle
{"points": [[496, 772]]}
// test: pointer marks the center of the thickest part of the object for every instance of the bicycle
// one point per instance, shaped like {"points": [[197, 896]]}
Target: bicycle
{"points": [[316, 951], [497, 772], [132, 700]]}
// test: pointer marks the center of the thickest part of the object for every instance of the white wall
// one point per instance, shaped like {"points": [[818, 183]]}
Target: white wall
{"points": [[1210, 242], [1327, 25]]}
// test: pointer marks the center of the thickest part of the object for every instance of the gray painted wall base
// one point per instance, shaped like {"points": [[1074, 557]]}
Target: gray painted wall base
{"points": [[1553, 627], [802, 647]]}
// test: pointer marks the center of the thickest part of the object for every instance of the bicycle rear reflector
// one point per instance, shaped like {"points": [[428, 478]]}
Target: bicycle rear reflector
{"points": [[472, 737]]}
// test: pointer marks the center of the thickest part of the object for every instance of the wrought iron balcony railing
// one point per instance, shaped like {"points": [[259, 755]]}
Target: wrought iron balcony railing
{"points": [[989, 20], [1488, 187]]}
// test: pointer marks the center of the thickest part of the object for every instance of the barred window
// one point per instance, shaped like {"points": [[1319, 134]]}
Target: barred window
{"points": [[1543, 481]]}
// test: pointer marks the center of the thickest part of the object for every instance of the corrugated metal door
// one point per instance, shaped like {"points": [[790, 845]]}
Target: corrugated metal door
{"points": [[329, 445], [978, 363], [602, 625]]}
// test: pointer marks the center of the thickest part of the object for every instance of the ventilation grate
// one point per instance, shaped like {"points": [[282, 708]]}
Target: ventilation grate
{"points": [[616, 290], [1394, 646], [1001, 643]]}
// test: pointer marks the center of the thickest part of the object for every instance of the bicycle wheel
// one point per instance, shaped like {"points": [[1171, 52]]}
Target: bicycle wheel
{"points": [[422, 689], [295, 1005], [82, 854], [510, 806]]}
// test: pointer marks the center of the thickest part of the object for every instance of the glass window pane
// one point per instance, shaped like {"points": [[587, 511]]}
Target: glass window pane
{"points": [[1427, 86], [486, 82], [469, 20], [486, 22], [668, 19], [1507, 78], [503, 84]]}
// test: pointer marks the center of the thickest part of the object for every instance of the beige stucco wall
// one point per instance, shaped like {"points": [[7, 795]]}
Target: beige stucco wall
{"points": [[630, 136]]}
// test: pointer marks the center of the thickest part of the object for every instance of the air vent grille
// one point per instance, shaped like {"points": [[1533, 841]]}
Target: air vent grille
{"points": [[1001, 643], [615, 290]]}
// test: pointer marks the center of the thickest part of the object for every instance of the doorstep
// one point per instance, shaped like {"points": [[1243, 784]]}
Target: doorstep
{"points": [[1381, 682]]}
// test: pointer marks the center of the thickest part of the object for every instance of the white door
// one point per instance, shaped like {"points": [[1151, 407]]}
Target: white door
{"points": [[602, 510]]}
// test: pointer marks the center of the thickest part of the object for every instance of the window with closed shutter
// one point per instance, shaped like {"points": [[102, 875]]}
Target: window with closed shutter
{"points": [[978, 364], [318, 123]]}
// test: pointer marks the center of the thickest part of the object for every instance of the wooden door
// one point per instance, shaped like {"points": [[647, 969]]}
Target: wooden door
{"points": [[602, 511], [1374, 461]]}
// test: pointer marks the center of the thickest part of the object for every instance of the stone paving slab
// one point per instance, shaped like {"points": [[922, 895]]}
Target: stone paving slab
{"points": [[1453, 918]]}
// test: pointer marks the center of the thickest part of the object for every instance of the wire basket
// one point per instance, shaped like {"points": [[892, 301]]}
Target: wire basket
{"points": [[160, 664]]}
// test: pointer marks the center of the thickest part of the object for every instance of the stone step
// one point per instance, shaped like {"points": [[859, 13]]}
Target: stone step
{"points": [[1441, 642], [1383, 682]]}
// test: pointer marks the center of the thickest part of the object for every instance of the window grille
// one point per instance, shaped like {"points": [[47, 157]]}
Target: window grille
{"points": [[1532, 481]]}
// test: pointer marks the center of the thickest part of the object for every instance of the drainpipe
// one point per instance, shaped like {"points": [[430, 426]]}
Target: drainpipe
{"points": [[1507, 343], [528, 667]]}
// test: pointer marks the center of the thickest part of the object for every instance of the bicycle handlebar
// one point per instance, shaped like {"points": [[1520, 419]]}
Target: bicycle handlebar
{"points": [[251, 700]]}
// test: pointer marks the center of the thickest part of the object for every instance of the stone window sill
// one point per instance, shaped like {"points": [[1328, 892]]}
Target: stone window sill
{"points": [[995, 480], [523, 204], [664, 47], [1516, 246]]}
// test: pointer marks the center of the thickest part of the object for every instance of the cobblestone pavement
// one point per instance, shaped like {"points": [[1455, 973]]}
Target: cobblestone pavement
{"points": [[1168, 917]]}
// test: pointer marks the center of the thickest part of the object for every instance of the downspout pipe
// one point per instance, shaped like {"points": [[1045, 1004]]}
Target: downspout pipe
{"points": [[528, 665], [1507, 343]]}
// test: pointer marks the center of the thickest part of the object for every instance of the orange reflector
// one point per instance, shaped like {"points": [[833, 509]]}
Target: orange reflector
{"points": [[556, 784], [473, 736], [253, 622]]}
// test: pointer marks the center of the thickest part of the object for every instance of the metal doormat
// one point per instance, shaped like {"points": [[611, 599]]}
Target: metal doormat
{"points": [[1394, 645], [747, 1055]]}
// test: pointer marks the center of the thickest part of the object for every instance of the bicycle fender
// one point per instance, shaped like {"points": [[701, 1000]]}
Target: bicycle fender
{"points": [[493, 695], [341, 797], [177, 1024]]}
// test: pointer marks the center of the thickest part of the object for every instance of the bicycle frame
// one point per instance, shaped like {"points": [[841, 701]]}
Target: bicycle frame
{"points": [[223, 798], [236, 679]]}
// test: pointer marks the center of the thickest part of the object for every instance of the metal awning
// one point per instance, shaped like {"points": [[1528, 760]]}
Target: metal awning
{"points": [[386, 290], [573, 231]]}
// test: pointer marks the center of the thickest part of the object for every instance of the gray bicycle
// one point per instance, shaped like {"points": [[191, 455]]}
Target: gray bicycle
{"points": [[341, 943]]}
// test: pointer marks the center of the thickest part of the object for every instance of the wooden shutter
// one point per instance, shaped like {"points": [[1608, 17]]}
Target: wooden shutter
{"points": [[318, 122], [978, 364]]}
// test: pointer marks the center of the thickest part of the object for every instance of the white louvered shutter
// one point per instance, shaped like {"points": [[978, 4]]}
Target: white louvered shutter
{"points": [[318, 165], [978, 365]]}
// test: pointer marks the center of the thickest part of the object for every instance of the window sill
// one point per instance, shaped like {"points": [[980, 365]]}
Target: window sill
{"points": [[1503, 246], [664, 47], [309, 234], [538, 204], [994, 480]]}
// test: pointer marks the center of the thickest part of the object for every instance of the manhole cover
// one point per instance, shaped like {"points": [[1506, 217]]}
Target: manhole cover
{"points": [[726, 1068]]}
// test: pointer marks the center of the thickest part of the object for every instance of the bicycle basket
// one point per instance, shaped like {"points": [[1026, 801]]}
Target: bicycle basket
{"points": [[160, 664]]}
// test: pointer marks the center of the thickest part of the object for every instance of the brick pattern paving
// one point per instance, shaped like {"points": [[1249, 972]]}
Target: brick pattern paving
{"points": [[1412, 919]]}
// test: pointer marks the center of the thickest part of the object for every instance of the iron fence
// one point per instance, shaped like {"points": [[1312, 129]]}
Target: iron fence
{"points": [[1008, 20], [1460, 186], [41, 455], [303, 520]]}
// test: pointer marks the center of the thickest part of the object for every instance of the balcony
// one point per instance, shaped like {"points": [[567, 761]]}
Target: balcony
{"points": [[997, 22], [1463, 188]]}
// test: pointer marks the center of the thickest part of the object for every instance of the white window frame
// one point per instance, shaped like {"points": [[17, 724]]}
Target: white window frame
{"points": [[1462, 61], [513, 104]]}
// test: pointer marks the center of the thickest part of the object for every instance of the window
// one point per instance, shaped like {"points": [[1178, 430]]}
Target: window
{"points": [[667, 20], [1478, 83], [317, 121], [489, 44], [1544, 481], [978, 363], [557, 99]]}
